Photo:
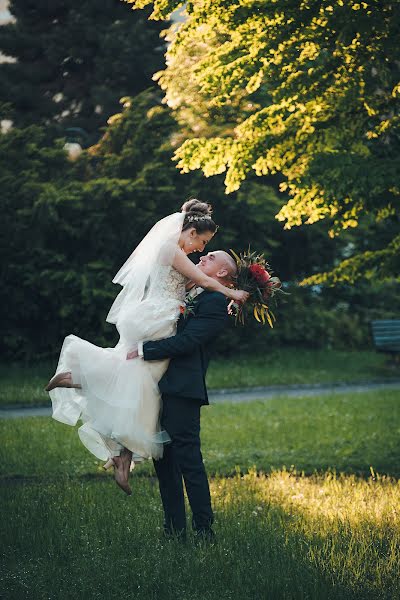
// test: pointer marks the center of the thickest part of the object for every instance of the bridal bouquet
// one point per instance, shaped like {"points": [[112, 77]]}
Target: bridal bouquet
{"points": [[254, 276]]}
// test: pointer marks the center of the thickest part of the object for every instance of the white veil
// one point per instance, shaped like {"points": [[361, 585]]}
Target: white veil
{"points": [[139, 274]]}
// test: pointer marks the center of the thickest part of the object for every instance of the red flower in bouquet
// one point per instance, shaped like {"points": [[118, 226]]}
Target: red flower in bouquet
{"points": [[259, 273]]}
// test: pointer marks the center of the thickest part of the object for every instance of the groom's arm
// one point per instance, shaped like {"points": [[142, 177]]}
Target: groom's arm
{"points": [[211, 318]]}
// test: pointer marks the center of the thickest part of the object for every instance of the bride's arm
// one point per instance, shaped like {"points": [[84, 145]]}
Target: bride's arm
{"points": [[185, 266]]}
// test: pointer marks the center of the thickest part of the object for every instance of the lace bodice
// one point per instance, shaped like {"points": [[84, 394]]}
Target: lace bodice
{"points": [[171, 284]]}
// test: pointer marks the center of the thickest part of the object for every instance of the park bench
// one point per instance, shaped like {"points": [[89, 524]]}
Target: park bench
{"points": [[386, 336]]}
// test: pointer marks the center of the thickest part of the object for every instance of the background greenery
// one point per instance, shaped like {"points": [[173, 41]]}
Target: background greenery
{"points": [[67, 226], [72, 62]]}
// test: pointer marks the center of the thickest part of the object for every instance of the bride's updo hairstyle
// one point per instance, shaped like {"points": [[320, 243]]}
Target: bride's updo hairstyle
{"points": [[198, 215]]}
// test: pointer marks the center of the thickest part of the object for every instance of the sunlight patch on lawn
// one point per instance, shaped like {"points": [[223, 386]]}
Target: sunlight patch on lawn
{"points": [[347, 527], [343, 498]]}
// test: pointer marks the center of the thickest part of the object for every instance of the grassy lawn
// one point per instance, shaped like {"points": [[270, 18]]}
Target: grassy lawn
{"points": [[279, 537], [24, 384], [68, 532], [299, 366], [343, 432]]}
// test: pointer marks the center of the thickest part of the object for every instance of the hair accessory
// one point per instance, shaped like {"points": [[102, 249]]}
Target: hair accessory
{"points": [[196, 218]]}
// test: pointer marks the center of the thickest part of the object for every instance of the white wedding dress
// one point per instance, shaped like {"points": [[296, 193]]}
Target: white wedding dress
{"points": [[119, 401]]}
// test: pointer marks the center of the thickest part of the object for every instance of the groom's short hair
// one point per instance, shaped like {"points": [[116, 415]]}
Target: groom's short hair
{"points": [[230, 265]]}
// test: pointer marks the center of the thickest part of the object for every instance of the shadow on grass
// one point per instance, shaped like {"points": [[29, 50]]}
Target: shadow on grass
{"points": [[82, 538]]}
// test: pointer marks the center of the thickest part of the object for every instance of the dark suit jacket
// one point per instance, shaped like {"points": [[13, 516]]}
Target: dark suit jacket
{"points": [[189, 348]]}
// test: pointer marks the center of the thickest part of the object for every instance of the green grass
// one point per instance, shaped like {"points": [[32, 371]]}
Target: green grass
{"points": [[345, 432], [299, 366], [68, 532], [24, 385], [85, 540]]}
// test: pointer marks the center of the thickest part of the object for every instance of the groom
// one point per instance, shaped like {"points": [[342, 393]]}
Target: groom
{"points": [[183, 392]]}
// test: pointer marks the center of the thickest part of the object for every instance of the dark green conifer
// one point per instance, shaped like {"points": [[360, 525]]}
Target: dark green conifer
{"points": [[73, 61]]}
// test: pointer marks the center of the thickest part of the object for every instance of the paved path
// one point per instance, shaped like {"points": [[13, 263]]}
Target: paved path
{"points": [[240, 395]]}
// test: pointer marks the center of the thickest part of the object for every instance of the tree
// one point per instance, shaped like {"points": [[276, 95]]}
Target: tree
{"points": [[308, 90], [67, 227], [73, 61]]}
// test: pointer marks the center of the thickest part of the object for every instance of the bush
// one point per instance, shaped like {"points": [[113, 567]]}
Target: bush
{"points": [[337, 318]]}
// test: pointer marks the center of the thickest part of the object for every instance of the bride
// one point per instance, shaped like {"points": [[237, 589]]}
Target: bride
{"points": [[118, 400]]}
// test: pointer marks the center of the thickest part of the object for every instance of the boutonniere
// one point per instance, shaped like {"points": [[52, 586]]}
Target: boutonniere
{"points": [[187, 308]]}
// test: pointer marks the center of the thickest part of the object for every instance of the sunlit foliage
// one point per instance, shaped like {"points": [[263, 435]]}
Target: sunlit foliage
{"points": [[306, 89]]}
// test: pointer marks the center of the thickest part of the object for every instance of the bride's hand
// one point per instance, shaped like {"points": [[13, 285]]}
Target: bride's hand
{"points": [[132, 354], [240, 296]]}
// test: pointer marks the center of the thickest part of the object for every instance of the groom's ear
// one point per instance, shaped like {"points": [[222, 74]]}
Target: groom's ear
{"points": [[223, 273]]}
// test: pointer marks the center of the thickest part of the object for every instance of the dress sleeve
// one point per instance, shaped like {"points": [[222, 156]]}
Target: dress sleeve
{"points": [[212, 317]]}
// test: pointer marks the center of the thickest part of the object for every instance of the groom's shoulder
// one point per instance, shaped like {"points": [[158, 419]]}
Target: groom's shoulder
{"points": [[215, 299]]}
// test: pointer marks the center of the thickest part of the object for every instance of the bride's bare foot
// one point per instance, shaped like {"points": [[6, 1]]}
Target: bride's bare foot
{"points": [[61, 380], [121, 470]]}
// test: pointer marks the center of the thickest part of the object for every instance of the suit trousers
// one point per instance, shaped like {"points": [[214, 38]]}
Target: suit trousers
{"points": [[182, 459]]}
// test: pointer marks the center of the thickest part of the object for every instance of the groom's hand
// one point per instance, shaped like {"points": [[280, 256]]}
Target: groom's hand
{"points": [[132, 354]]}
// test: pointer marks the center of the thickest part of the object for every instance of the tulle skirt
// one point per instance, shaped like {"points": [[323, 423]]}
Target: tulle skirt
{"points": [[119, 401]]}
